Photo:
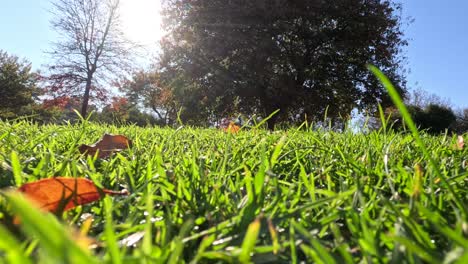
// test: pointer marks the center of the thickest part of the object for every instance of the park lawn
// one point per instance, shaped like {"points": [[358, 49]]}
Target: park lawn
{"points": [[205, 196]]}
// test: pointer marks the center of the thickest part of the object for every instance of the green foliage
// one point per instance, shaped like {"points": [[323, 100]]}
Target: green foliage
{"points": [[52, 236], [433, 118], [17, 85], [202, 195], [461, 125], [438, 118], [302, 57], [130, 115], [145, 89]]}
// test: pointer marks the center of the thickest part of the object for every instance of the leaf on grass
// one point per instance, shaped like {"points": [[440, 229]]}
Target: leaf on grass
{"points": [[55, 239], [61, 193], [232, 128], [107, 145]]}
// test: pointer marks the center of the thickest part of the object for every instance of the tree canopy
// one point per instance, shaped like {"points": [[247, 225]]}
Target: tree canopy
{"points": [[144, 89], [17, 85], [461, 125], [302, 56], [433, 118]]}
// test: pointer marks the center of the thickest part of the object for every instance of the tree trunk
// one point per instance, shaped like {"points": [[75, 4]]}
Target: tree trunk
{"points": [[84, 105]]}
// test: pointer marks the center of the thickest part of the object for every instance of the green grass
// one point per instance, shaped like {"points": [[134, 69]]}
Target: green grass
{"points": [[203, 196]]}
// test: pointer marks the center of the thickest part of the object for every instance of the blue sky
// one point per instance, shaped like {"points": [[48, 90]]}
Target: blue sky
{"points": [[24, 29], [438, 47], [437, 52]]}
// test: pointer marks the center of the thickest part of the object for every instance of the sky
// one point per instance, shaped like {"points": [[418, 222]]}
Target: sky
{"points": [[437, 54], [25, 28], [438, 48]]}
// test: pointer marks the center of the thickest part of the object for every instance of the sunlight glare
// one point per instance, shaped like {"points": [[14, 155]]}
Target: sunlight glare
{"points": [[141, 21]]}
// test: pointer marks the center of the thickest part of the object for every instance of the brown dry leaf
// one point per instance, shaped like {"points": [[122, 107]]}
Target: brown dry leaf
{"points": [[107, 145], [232, 128], [63, 193]]}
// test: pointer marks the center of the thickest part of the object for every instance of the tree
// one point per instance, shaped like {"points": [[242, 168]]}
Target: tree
{"points": [[145, 89], [17, 85], [422, 98], [438, 118], [302, 57], [91, 51], [461, 125], [121, 111], [433, 118]]}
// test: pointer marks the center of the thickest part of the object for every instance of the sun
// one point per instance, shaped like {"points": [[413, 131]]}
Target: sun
{"points": [[141, 21]]}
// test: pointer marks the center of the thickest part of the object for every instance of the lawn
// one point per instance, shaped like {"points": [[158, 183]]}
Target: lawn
{"points": [[204, 196]]}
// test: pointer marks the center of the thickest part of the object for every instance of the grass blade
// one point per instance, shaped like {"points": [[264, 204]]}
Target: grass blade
{"points": [[398, 101], [111, 240], [16, 167], [250, 240], [11, 247], [55, 240]]}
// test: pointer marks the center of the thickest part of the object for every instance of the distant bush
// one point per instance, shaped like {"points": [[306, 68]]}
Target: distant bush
{"points": [[437, 119], [433, 118]]}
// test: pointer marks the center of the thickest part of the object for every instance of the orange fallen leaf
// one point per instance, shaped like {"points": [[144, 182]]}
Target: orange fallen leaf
{"points": [[232, 128], [107, 145], [63, 193]]}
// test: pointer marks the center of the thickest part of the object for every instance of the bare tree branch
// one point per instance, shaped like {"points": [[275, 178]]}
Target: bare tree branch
{"points": [[92, 49]]}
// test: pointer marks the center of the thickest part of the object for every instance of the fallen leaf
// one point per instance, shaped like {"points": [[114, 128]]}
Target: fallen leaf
{"points": [[107, 145], [232, 128], [63, 193]]}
